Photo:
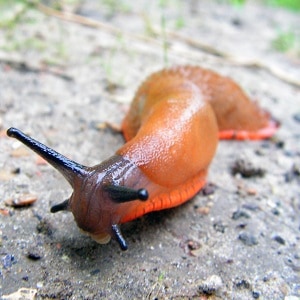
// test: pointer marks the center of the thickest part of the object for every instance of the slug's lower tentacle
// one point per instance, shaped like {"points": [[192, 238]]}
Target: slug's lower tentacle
{"points": [[61, 206], [118, 236]]}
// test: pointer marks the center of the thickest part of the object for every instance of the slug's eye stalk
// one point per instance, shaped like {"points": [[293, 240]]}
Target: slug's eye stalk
{"points": [[68, 168], [122, 194], [78, 175]]}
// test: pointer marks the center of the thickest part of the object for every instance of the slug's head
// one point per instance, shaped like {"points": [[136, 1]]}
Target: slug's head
{"points": [[100, 194]]}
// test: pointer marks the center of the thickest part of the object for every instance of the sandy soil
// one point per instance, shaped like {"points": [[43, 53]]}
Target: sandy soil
{"points": [[60, 80]]}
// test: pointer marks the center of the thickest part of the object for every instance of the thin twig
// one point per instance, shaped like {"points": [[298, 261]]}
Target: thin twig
{"points": [[75, 18], [277, 72], [67, 16]]}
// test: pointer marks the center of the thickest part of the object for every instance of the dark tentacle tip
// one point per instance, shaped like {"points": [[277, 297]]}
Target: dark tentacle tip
{"points": [[143, 194], [12, 131], [118, 236], [59, 207]]}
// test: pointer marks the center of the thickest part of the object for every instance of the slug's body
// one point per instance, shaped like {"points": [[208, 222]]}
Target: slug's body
{"points": [[172, 131]]}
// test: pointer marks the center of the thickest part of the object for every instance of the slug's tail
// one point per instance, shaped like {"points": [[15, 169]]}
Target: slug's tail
{"points": [[260, 134], [68, 168]]}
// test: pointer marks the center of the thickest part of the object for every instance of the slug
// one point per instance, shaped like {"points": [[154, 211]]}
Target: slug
{"points": [[171, 132]]}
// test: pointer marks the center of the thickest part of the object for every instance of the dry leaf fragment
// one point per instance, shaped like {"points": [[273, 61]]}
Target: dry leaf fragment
{"points": [[22, 200]]}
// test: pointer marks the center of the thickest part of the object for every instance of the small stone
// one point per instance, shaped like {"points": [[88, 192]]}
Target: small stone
{"points": [[8, 260], [34, 254], [246, 169], [45, 227], [219, 227], [208, 189], [203, 210], [279, 239], [293, 173], [240, 214], [251, 191], [4, 212], [251, 206], [211, 285], [95, 272], [243, 284], [296, 117], [16, 171], [192, 245], [248, 239]]}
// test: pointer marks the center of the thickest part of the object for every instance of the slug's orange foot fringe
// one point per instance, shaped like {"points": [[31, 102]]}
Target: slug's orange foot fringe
{"points": [[261, 134]]}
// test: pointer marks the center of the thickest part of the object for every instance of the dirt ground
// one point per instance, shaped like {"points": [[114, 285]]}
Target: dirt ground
{"points": [[60, 81]]}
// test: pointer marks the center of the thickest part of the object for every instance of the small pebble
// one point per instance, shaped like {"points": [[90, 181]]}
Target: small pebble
{"points": [[45, 227], [296, 117], [242, 225], [251, 191], [203, 210], [95, 272], [194, 248], [34, 254], [192, 245], [8, 260], [208, 189], [211, 285], [219, 227], [16, 171], [4, 212], [243, 284], [251, 206], [240, 214], [279, 239], [293, 173], [248, 239], [246, 169], [237, 22], [255, 295]]}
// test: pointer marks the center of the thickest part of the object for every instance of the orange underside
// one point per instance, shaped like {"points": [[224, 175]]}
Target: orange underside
{"points": [[168, 199], [260, 134], [188, 190]]}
